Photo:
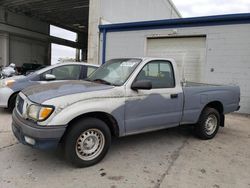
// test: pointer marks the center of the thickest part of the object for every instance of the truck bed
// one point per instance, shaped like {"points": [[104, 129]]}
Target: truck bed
{"points": [[198, 95]]}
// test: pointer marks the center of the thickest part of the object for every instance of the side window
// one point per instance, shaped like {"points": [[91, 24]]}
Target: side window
{"points": [[160, 73], [90, 70], [67, 72]]}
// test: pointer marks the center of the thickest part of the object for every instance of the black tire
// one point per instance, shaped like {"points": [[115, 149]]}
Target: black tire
{"points": [[202, 129], [81, 126], [12, 102]]}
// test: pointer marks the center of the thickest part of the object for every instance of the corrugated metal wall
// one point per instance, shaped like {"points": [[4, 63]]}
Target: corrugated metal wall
{"points": [[24, 50]]}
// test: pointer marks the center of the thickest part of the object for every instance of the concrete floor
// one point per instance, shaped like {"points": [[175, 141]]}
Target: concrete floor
{"points": [[168, 158]]}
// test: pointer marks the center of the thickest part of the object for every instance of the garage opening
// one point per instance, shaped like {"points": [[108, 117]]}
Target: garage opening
{"points": [[27, 30], [60, 53], [188, 52]]}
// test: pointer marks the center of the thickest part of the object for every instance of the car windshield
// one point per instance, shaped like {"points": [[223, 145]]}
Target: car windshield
{"points": [[115, 72]]}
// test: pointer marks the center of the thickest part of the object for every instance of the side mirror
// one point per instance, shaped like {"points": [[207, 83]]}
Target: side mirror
{"points": [[142, 84], [49, 77]]}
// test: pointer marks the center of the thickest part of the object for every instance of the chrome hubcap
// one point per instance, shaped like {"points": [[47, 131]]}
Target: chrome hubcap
{"points": [[90, 144], [211, 124]]}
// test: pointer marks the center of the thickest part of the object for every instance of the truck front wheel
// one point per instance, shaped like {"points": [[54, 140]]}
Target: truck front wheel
{"points": [[208, 124], [87, 142]]}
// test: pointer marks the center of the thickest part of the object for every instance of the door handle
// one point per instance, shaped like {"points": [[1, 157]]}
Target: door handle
{"points": [[174, 96]]}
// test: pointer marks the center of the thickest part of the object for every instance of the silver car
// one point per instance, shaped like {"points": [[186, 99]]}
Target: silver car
{"points": [[10, 87]]}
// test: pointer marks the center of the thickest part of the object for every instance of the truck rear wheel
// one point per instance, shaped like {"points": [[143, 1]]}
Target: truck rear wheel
{"points": [[87, 142], [208, 124]]}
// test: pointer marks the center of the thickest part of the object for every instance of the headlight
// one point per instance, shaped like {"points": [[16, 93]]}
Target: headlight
{"points": [[39, 113], [6, 83]]}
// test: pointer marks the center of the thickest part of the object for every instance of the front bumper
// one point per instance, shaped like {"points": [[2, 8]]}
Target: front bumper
{"points": [[43, 137], [5, 94]]}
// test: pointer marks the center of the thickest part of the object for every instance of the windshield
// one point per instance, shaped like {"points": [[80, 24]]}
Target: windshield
{"points": [[115, 71]]}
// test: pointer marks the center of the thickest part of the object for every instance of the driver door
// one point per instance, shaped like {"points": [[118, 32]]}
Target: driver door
{"points": [[160, 107]]}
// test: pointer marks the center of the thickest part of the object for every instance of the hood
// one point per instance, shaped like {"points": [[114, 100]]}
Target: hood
{"points": [[16, 78], [44, 92]]}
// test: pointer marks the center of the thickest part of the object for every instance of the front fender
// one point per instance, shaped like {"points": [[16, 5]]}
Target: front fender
{"points": [[110, 105], [5, 94]]}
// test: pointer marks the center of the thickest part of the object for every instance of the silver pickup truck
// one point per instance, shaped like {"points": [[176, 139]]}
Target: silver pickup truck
{"points": [[123, 97]]}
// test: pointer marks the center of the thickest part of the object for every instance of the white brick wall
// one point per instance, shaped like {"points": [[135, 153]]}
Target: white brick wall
{"points": [[120, 11], [227, 52]]}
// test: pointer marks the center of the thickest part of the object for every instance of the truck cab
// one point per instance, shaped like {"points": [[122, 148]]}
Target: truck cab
{"points": [[124, 96]]}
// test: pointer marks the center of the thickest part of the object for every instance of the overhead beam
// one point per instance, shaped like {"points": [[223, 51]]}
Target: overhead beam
{"points": [[40, 2], [64, 42], [39, 36], [70, 28], [62, 13]]}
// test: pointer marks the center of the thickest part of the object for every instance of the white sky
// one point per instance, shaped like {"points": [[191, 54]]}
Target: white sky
{"points": [[187, 8], [59, 51], [192, 8]]}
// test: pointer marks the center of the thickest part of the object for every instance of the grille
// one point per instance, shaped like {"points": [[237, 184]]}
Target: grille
{"points": [[19, 104]]}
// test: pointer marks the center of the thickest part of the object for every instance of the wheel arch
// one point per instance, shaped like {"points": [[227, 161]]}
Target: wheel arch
{"points": [[217, 105], [107, 118], [12, 95]]}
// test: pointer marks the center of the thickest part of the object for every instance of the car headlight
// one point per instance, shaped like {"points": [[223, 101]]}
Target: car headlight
{"points": [[6, 83], [39, 113]]}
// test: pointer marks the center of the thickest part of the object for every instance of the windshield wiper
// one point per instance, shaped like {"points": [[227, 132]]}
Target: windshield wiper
{"points": [[103, 81]]}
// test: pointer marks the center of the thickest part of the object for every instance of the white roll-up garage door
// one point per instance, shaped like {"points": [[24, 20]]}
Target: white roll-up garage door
{"points": [[188, 52]]}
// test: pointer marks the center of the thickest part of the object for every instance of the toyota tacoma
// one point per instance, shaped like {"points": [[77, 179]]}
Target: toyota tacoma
{"points": [[123, 97]]}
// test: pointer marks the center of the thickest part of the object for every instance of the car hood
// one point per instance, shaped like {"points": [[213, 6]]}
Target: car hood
{"points": [[16, 78], [44, 92]]}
